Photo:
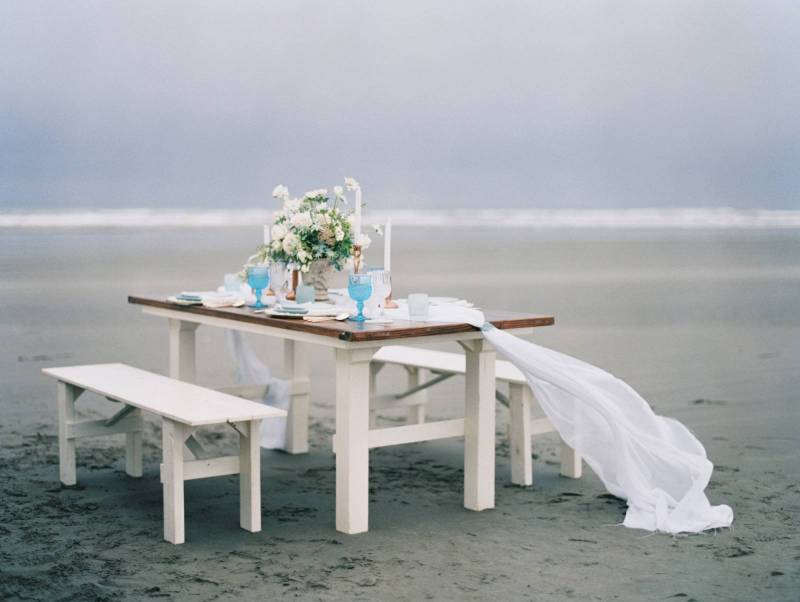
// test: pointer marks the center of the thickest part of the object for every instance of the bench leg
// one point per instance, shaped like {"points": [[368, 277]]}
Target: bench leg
{"points": [[479, 425], [133, 450], [296, 366], [352, 440], [416, 412], [173, 436], [571, 463], [66, 444], [519, 435], [250, 476]]}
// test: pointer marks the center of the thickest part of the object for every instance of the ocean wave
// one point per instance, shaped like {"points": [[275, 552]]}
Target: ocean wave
{"points": [[453, 218]]}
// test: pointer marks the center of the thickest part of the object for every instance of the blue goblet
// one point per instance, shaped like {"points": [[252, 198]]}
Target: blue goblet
{"points": [[360, 288], [258, 279]]}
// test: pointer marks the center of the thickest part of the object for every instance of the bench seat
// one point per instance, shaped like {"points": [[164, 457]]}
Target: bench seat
{"points": [[442, 362], [182, 407]]}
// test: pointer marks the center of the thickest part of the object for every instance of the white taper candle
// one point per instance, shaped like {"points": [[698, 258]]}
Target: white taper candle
{"points": [[266, 234], [387, 246], [357, 217]]}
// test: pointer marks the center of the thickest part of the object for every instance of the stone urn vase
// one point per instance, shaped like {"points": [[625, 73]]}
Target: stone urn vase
{"points": [[318, 275]]}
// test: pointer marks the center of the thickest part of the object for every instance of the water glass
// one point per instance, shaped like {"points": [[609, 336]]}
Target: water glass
{"points": [[305, 294], [418, 307], [360, 288], [382, 285], [258, 279], [232, 283], [277, 276]]}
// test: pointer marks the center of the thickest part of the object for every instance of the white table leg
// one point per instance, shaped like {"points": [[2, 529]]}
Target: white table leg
{"points": [[519, 435], [416, 413], [352, 440], [67, 394], [479, 425], [571, 462], [133, 449], [295, 356], [250, 476], [173, 434], [374, 369], [182, 350]]}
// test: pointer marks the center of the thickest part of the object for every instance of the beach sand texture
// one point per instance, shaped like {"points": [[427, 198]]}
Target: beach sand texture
{"points": [[705, 324]]}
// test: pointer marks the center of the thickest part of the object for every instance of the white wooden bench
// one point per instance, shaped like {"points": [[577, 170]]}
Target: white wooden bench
{"points": [[182, 407], [442, 365]]}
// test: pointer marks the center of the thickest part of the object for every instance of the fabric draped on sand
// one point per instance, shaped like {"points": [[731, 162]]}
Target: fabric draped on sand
{"points": [[250, 370], [653, 462]]}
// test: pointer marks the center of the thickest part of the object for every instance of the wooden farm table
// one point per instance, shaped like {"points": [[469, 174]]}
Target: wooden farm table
{"points": [[354, 345]]}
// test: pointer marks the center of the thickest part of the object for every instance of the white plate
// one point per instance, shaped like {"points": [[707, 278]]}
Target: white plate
{"points": [[276, 313], [441, 300]]}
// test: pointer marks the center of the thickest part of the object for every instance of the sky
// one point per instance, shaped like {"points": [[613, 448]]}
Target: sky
{"points": [[428, 104]]}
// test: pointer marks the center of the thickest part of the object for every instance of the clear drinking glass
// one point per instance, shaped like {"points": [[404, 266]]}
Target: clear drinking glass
{"points": [[277, 276], [304, 294], [258, 279], [360, 288], [382, 285], [232, 283], [418, 306]]}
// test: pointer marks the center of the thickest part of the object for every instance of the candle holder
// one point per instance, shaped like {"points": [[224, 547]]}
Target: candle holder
{"points": [[292, 294], [357, 256], [389, 304]]}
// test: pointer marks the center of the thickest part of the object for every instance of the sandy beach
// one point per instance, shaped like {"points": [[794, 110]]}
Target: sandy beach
{"points": [[704, 324]]}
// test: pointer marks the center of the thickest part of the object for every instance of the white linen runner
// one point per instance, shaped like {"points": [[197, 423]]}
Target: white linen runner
{"points": [[653, 462], [250, 370]]}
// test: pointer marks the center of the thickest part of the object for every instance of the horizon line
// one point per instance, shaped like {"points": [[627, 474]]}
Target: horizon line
{"points": [[680, 218]]}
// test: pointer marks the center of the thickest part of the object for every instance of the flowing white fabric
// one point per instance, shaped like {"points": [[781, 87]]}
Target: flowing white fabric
{"points": [[250, 370], [651, 461]]}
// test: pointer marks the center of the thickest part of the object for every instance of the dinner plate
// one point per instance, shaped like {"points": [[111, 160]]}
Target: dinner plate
{"points": [[277, 313]]}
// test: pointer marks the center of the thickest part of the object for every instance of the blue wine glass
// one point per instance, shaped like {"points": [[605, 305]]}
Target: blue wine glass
{"points": [[258, 279], [360, 288]]}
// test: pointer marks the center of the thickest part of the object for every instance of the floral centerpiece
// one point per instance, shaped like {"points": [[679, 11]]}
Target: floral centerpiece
{"points": [[312, 234]]}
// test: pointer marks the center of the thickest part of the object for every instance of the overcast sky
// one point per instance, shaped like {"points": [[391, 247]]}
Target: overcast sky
{"points": [[428, 104]]}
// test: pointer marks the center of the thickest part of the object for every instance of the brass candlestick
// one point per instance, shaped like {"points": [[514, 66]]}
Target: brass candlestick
{"points": [[389, 304], [356, 259], [292, 294]]}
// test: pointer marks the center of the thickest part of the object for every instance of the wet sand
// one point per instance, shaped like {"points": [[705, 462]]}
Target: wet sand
{"points": [[704, 326]]}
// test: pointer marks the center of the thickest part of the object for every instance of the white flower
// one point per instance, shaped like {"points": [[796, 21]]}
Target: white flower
{"points": [[291, 205], [290, 243], [338, 191], [364, 240], [305, 268], [281, 192], [315, 193], [304, 256], [276, 245], [278, 231], [351, 184], [378, 229], [301, 219], [339, 233]]}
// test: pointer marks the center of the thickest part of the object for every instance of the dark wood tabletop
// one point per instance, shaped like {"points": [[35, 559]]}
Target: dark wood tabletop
{"points": [[347, 330]]}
